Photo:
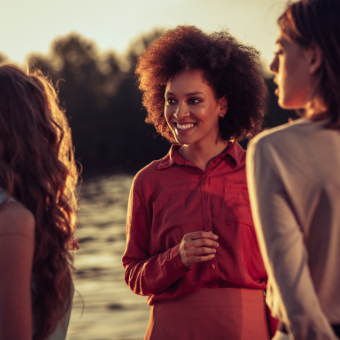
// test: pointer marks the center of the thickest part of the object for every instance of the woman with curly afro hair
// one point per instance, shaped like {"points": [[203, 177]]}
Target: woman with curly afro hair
{"points": [[38, 175], [191, 246]]}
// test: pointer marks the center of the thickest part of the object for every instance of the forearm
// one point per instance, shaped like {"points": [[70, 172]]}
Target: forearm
{"points": [[155, 274], [299, 307]]}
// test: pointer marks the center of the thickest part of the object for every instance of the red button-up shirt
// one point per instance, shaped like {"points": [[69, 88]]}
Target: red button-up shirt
{"points": [[172, 197]]}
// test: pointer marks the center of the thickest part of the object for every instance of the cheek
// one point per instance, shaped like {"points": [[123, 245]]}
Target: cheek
{"points": [[167, 115]]}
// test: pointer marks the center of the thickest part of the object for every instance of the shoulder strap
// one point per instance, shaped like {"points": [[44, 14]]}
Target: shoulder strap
{"points": [[3, 196]]}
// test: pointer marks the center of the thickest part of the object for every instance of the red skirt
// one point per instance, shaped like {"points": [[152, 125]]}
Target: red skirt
{"points": [[211, 314]]}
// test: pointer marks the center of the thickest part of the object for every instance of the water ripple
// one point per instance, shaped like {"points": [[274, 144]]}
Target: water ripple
{"points": [[103, 307]]}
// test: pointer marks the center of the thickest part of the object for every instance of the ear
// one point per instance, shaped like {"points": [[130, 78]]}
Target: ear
{"points": [[223, 104], [314, 55]]}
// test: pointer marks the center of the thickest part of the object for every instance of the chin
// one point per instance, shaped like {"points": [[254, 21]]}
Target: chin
{"points": [[283, 104], [182, 141], [286, 104]]}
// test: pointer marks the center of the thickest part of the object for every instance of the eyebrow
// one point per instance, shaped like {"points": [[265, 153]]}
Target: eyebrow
{"points": [[186, 95]]}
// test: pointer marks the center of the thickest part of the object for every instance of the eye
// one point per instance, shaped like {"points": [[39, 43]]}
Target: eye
{"points": [[170, 101], [194, 101]]}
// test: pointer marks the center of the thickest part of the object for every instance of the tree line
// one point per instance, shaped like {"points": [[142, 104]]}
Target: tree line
{"points": [[103, 103]]}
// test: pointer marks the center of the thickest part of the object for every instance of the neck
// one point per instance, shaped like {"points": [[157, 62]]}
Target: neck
{"points": [[201, 154], [316, 108]]}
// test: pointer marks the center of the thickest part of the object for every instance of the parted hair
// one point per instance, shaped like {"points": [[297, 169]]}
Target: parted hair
{"points": [[317, 21], [230, 68], [37, 168]]}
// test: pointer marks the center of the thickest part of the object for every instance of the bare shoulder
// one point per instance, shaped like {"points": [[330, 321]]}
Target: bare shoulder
{"points": [[16, 219]]}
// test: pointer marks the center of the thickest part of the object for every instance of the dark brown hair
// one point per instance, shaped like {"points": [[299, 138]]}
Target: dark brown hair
{"points": [[317, 21], [231, 69], [37, 168]]}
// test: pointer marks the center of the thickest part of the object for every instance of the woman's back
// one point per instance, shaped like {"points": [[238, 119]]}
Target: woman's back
{"points": [[302, 161]]}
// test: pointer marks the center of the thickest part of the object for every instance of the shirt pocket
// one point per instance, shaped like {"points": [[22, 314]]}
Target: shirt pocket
{"points": [[237, 205], [169, 220]]}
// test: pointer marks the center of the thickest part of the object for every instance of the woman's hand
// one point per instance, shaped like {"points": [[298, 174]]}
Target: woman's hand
{"points": [[199, 246]]}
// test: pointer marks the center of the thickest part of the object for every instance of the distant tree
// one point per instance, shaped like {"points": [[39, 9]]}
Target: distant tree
{"points": [[104, 104], [43, 63], [139, 142], [276, 115], [3, 58], [138, 46]]}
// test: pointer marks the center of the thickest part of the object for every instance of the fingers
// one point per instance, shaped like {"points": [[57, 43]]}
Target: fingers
{"points": [[200, 251], [200, 234], [202, 242], [199, 246], [198, 259]]}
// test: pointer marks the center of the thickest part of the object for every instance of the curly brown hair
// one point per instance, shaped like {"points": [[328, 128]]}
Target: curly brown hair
{"points": [[231, 69], [37, 168]]}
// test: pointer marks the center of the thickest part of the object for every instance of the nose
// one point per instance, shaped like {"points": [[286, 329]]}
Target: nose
{"points": [[274, 65], [182, 111]]}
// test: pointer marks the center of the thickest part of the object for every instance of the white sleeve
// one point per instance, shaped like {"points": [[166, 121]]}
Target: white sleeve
{"points": [[291, 296]]}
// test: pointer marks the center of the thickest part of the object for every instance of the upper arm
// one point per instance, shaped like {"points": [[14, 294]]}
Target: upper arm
{"points": [[17, 227], [137, 229]]}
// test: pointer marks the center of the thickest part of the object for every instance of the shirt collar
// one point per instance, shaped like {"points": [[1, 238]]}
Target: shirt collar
{"points": [[173, 157]]}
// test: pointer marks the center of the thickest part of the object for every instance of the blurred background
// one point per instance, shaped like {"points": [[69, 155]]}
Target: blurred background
{"points": [[90, 48]]}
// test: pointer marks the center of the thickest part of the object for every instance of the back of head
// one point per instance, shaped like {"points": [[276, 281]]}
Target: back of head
{"points": [[37, 168], [317, 21]]}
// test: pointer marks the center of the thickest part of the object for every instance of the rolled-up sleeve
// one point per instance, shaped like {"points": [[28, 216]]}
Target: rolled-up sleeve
{"points": [[291, 294], [145, 274]]}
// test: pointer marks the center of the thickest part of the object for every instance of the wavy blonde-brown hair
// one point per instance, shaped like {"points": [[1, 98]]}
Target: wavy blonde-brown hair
{"points": [[317, 21], [37, 168]]}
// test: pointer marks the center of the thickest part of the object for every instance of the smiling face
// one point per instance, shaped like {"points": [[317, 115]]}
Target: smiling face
{"points": [[191, 109], [291, 66]]}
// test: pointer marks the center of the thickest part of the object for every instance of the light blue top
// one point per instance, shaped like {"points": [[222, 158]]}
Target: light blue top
{"points": [[61, 330]]}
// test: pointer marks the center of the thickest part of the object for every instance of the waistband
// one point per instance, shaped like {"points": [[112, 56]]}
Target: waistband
{"points": [[220, 296]]}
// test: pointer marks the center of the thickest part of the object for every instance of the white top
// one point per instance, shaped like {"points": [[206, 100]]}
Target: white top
{"points": [[293, 174]]}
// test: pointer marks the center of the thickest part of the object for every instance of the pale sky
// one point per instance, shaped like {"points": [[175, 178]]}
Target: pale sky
{"points": [[30, 25]]}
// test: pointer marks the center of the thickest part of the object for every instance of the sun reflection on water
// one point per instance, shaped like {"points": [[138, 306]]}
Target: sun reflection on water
{"points": [[111, 311]]}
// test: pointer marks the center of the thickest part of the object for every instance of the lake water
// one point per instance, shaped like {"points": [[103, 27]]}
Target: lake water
{"points": [[104, 308]]}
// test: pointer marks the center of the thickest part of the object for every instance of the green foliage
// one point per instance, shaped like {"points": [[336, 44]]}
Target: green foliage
{"points": [[103, 103], [276, 116], [3, 58]]}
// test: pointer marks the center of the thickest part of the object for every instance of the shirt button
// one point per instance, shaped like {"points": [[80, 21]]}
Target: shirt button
{"points": [[215, 161], [205, 197], [213, 266], [207, 219], [204, 176]]}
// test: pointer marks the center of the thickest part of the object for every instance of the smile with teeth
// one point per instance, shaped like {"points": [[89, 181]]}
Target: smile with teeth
{"points": [[185, 126]]}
